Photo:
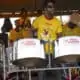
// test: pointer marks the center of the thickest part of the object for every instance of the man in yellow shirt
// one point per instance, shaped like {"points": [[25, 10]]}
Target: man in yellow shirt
{"points": [[22, 30], [13, 34], [71, 29], [48, 29]]}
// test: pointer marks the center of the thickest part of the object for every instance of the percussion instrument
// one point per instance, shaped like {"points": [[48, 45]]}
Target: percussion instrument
{"points": [[67, 49], [28, 52]]}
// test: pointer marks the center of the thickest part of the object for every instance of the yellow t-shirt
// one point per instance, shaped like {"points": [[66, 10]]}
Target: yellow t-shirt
{"points": [[23, 33], [47, 30], [71, 32], [27, 33], [13, 35]]}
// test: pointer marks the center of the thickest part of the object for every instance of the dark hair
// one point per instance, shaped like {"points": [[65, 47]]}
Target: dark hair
{"points": [[71, 25], [47, 1], [23, 11], [7, 26]]}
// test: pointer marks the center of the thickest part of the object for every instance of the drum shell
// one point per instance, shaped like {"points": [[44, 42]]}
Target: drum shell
{"points": [[68, 48], [26, 50]]}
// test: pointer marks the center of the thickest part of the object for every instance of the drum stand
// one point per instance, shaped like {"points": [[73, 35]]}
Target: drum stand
{"points": [[4, 63], [40, 69], [29, 74], [49, 57]]}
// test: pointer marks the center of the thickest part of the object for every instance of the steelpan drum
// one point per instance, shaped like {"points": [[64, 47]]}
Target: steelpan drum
{"points": [[67, 49], [28, 52]]}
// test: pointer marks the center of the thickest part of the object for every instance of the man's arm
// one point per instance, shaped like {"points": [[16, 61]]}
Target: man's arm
{"points": [[59, 30], [35, 27]]}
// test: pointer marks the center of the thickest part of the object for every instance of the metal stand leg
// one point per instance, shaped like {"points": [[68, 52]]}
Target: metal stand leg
{"points": [[70, 74], [30, 75], [64, 70], [49, 57], [8, 58], [4, 66]]}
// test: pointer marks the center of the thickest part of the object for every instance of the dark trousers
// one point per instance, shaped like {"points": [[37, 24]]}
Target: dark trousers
{"points": [[48, 74]]}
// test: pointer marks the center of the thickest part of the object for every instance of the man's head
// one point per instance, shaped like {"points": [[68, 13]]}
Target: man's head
{"points": [[49, 9], [23, 13]]}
